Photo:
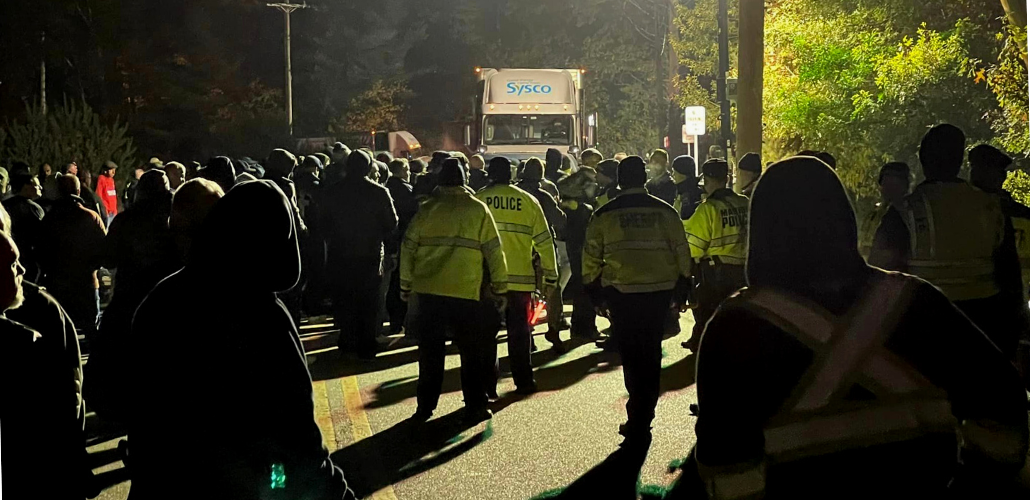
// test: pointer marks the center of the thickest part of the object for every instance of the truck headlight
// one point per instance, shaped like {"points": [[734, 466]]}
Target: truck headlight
{"points": [[481, 149]]}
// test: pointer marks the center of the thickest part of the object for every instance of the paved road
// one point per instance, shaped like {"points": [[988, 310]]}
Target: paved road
{"points": [[533, 448]]}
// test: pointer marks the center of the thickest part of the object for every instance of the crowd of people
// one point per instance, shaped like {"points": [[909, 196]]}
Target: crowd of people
{"points": [[816, 371]]}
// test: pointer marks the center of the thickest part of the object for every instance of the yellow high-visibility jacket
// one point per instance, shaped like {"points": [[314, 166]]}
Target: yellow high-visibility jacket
{"points": [[867, 229], [523, 228], [718, 228], [635, 243], [954, 230], [446, 244]]}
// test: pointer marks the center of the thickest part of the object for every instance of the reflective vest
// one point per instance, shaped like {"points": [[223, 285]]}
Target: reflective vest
{"points": [[817, 420], [636, 244], [867, 229], [1020, 217], [718, 228], [446, 244], [954, 230], [523, 228]]}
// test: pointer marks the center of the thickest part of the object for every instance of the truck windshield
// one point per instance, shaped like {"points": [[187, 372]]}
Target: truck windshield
{"points": [[553, 130]]}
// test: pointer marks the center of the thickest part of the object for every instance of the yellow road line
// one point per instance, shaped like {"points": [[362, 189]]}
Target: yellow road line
{"points": [[360, 428], [323, 417]]}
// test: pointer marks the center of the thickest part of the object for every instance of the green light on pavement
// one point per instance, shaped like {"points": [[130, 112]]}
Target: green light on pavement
{"points": [[278, 477]]}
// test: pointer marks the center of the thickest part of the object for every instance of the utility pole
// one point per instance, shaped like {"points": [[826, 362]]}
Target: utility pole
{"points": [[724, 68], [287, 9], [42, 73], [750, 62]]}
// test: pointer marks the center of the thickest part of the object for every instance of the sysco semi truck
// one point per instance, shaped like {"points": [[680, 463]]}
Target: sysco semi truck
{"points": [[521, 113]]}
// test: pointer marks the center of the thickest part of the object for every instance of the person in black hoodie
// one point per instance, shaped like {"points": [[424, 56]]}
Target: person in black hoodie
{"points": [[830, 378], [221, 171], [279, 168], [141, 248], [185, 432]]}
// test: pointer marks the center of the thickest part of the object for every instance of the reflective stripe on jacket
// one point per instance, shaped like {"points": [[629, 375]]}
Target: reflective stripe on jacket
{"points": [[818, 419], [718, 228], [446, 244], [954, 230], [523, 228], [636, 244]]}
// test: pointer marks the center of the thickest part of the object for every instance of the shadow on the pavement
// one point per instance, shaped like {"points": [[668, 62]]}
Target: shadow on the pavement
{"points": [[331, 364], [679, 375], [548, 378], [688, 486], [617, 478], [405, 450]]}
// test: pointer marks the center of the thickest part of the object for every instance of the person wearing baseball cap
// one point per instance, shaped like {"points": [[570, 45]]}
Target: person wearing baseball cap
{"points": [[749, 169], [989, 169], [717, 233]]}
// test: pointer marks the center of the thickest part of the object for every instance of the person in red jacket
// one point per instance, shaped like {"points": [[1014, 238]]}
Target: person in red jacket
{"points": [[106, 190]]}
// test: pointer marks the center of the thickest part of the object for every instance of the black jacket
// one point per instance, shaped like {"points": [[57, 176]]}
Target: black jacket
{"points": [[478, 179], [663, 188], [556, 217], [187, 403], [43, 443], [747, 367], [406, 205], [26, 222], [356, 216], [92, 202]]}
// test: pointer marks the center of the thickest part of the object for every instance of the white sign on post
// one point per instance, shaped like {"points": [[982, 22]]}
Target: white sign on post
{"points": [[695, 120]]}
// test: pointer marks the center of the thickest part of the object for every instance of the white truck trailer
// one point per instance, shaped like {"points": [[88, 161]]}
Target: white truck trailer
{"points": [[520, 113]]}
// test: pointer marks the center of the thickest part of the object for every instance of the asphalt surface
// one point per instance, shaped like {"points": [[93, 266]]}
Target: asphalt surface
{"points": [[534, 447]]}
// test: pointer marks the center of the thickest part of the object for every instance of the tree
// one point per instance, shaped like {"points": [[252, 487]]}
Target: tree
{"points": [[70, 132], [379, 108]]}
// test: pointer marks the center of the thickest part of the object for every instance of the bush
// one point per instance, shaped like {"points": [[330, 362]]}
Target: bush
{"points": [[71, 131]]}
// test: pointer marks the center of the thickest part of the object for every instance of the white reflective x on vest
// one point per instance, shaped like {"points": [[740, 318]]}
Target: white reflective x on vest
{"points": [[849, 350]]}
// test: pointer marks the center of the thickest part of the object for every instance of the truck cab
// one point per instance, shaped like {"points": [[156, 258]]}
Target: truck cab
{"points": [[521, 113]]}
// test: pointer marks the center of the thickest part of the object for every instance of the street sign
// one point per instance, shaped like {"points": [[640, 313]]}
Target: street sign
{"points": [[694, 117]]}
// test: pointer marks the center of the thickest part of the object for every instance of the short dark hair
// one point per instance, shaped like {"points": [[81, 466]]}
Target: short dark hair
{"points": [[942, 151], [632, 172], [20, 180]]}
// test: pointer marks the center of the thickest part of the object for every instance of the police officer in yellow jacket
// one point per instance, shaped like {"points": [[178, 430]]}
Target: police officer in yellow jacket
{"points": [[828, 378], [717, 233], [953, 235], [442, 260], [636, 266], [894, 183], [523, 228]]}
